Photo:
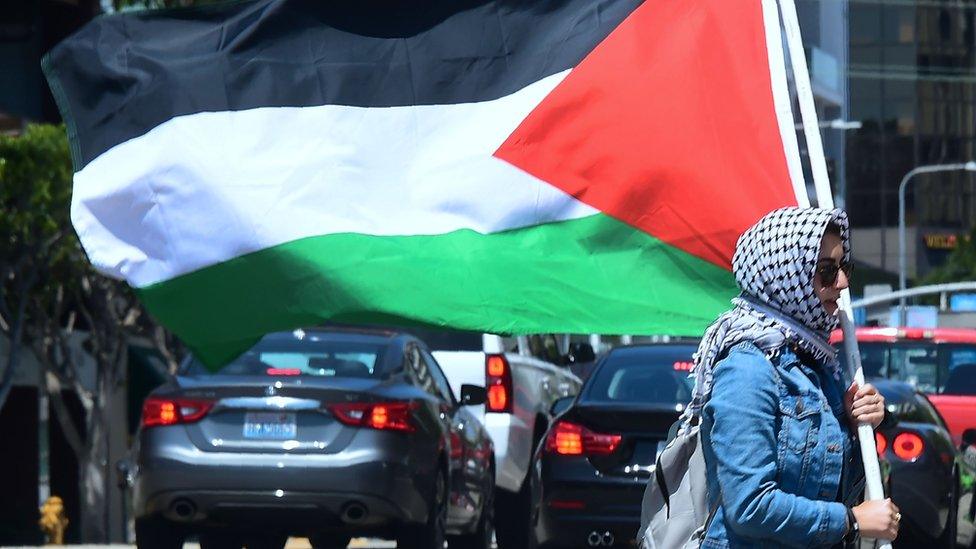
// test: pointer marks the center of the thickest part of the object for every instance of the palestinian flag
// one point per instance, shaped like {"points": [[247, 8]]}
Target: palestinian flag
{"points": [[514, 167]]}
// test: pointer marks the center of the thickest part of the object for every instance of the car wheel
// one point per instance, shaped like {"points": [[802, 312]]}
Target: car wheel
{"points": [[514, 527], [266, 541], [329, 541], [484, 533], [948, 538], [430, 535], [220, 540], [157, 533]]}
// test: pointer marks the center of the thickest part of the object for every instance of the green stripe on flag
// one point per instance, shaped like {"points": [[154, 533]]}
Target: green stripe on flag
{"points": [[589, 275]]}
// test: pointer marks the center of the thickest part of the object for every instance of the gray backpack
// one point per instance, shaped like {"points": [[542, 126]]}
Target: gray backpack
{"points": [[674, 512]]}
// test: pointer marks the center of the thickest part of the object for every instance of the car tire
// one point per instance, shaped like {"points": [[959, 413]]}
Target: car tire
{"points": [[220, 540], [430, 535], [157, 533], [484, 533], [513, 512], [948, 538], [329, 541]]}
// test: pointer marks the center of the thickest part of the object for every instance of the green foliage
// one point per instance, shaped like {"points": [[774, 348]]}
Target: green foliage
{"points": [[35, 188], [961, 265], [38, 248]]}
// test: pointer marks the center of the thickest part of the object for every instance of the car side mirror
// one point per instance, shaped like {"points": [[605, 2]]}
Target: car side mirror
{"points": [[473, 395], [580, 352], [561, 405]]}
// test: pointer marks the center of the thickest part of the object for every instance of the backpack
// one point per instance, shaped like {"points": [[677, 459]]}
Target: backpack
{"points": [[675, 503]]}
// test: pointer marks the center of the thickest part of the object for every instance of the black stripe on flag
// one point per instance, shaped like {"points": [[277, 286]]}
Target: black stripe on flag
{"points": [[122, 75]]}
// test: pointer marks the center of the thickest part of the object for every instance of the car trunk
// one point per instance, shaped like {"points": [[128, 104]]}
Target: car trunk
{"points": [[262, 414], [643, 431]]}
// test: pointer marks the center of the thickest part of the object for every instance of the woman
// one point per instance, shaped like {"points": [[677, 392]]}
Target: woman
{"points": [[778, 426]]}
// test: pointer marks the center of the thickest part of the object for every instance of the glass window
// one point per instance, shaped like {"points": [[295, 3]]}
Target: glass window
{"points": [[931, 368], [917, 365], [301, 354], [545, 347], [874, 359], [440, 380], [644, 375], [418, 372], [865, 23], [918, 410], [960, 370]]}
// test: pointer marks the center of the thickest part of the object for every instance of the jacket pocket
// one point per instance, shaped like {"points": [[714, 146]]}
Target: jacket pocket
{"points": [[801, 414]]}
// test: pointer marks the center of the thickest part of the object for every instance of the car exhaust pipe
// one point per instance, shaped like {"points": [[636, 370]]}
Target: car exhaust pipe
{"points": [[183, 509], [354, 512], [607, 538], [594, 539]]}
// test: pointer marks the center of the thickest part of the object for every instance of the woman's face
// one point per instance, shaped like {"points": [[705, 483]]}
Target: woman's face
{"points": [[831, 258]]}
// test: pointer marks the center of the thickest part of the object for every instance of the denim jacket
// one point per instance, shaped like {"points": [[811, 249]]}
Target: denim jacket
{"points": [[779, 454]]}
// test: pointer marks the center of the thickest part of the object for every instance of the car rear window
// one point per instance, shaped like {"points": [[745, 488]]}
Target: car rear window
{"points": [[643, 375], [304, 354]]}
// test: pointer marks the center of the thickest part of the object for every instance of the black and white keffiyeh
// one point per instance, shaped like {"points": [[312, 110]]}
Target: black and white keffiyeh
{"points": [[774, 265]]}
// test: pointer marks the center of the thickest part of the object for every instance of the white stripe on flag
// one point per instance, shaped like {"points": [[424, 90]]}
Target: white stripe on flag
{"points": [[205, 188], [781, 99]]}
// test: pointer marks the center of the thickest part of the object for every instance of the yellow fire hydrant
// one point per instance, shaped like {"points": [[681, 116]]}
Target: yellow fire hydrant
{"points": [[53, 522]]}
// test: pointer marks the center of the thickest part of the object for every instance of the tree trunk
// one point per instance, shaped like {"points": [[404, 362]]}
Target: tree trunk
{"points": [[99, 500], [16, 338], [94, 471]]}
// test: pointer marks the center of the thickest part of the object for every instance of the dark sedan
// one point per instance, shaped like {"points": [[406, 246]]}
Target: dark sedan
{"points": [[596, 458], [929, 480], [329, 434]]}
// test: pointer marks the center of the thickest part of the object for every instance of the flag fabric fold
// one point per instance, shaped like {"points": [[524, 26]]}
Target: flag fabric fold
{"points": [[514, 167]]}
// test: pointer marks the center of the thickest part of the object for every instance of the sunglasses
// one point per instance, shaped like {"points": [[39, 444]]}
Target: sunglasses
{"points": [[828, 272]]}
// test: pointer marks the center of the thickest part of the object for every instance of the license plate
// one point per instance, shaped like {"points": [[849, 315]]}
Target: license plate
{"points": [[270, 425]]}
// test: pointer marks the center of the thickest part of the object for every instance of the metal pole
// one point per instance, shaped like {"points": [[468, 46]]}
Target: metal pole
{"points": [[902, 255], [865, 433], [967, 286]]}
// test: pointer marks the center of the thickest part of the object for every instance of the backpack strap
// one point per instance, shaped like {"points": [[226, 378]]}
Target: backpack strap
{"points": [[662, 485]]}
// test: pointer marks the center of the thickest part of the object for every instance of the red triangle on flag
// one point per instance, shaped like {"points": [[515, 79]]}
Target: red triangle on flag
{"points": [[668, 125]]}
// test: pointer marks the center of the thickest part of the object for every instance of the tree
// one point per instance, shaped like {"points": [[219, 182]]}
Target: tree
{"points": [[961, 264], [51, 299], [35, 186]]}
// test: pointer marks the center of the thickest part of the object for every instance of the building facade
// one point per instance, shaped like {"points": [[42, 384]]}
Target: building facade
{"points": [[912, 81]]}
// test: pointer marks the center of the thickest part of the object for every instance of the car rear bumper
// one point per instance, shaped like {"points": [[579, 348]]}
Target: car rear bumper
{"points": [[381, 473], [570, 511], [288, 511]]}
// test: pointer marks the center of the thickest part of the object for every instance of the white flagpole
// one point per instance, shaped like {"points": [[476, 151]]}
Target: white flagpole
{"points": [[818, 165]]}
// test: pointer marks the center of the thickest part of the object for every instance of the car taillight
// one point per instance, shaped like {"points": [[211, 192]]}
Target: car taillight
{"points": [[173, 411], [385, 416], [908, 446], [881, 443], [498, 378], [570, 439]]}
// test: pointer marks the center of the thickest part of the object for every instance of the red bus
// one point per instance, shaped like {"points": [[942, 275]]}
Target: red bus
{"points": [[940, 362]]}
